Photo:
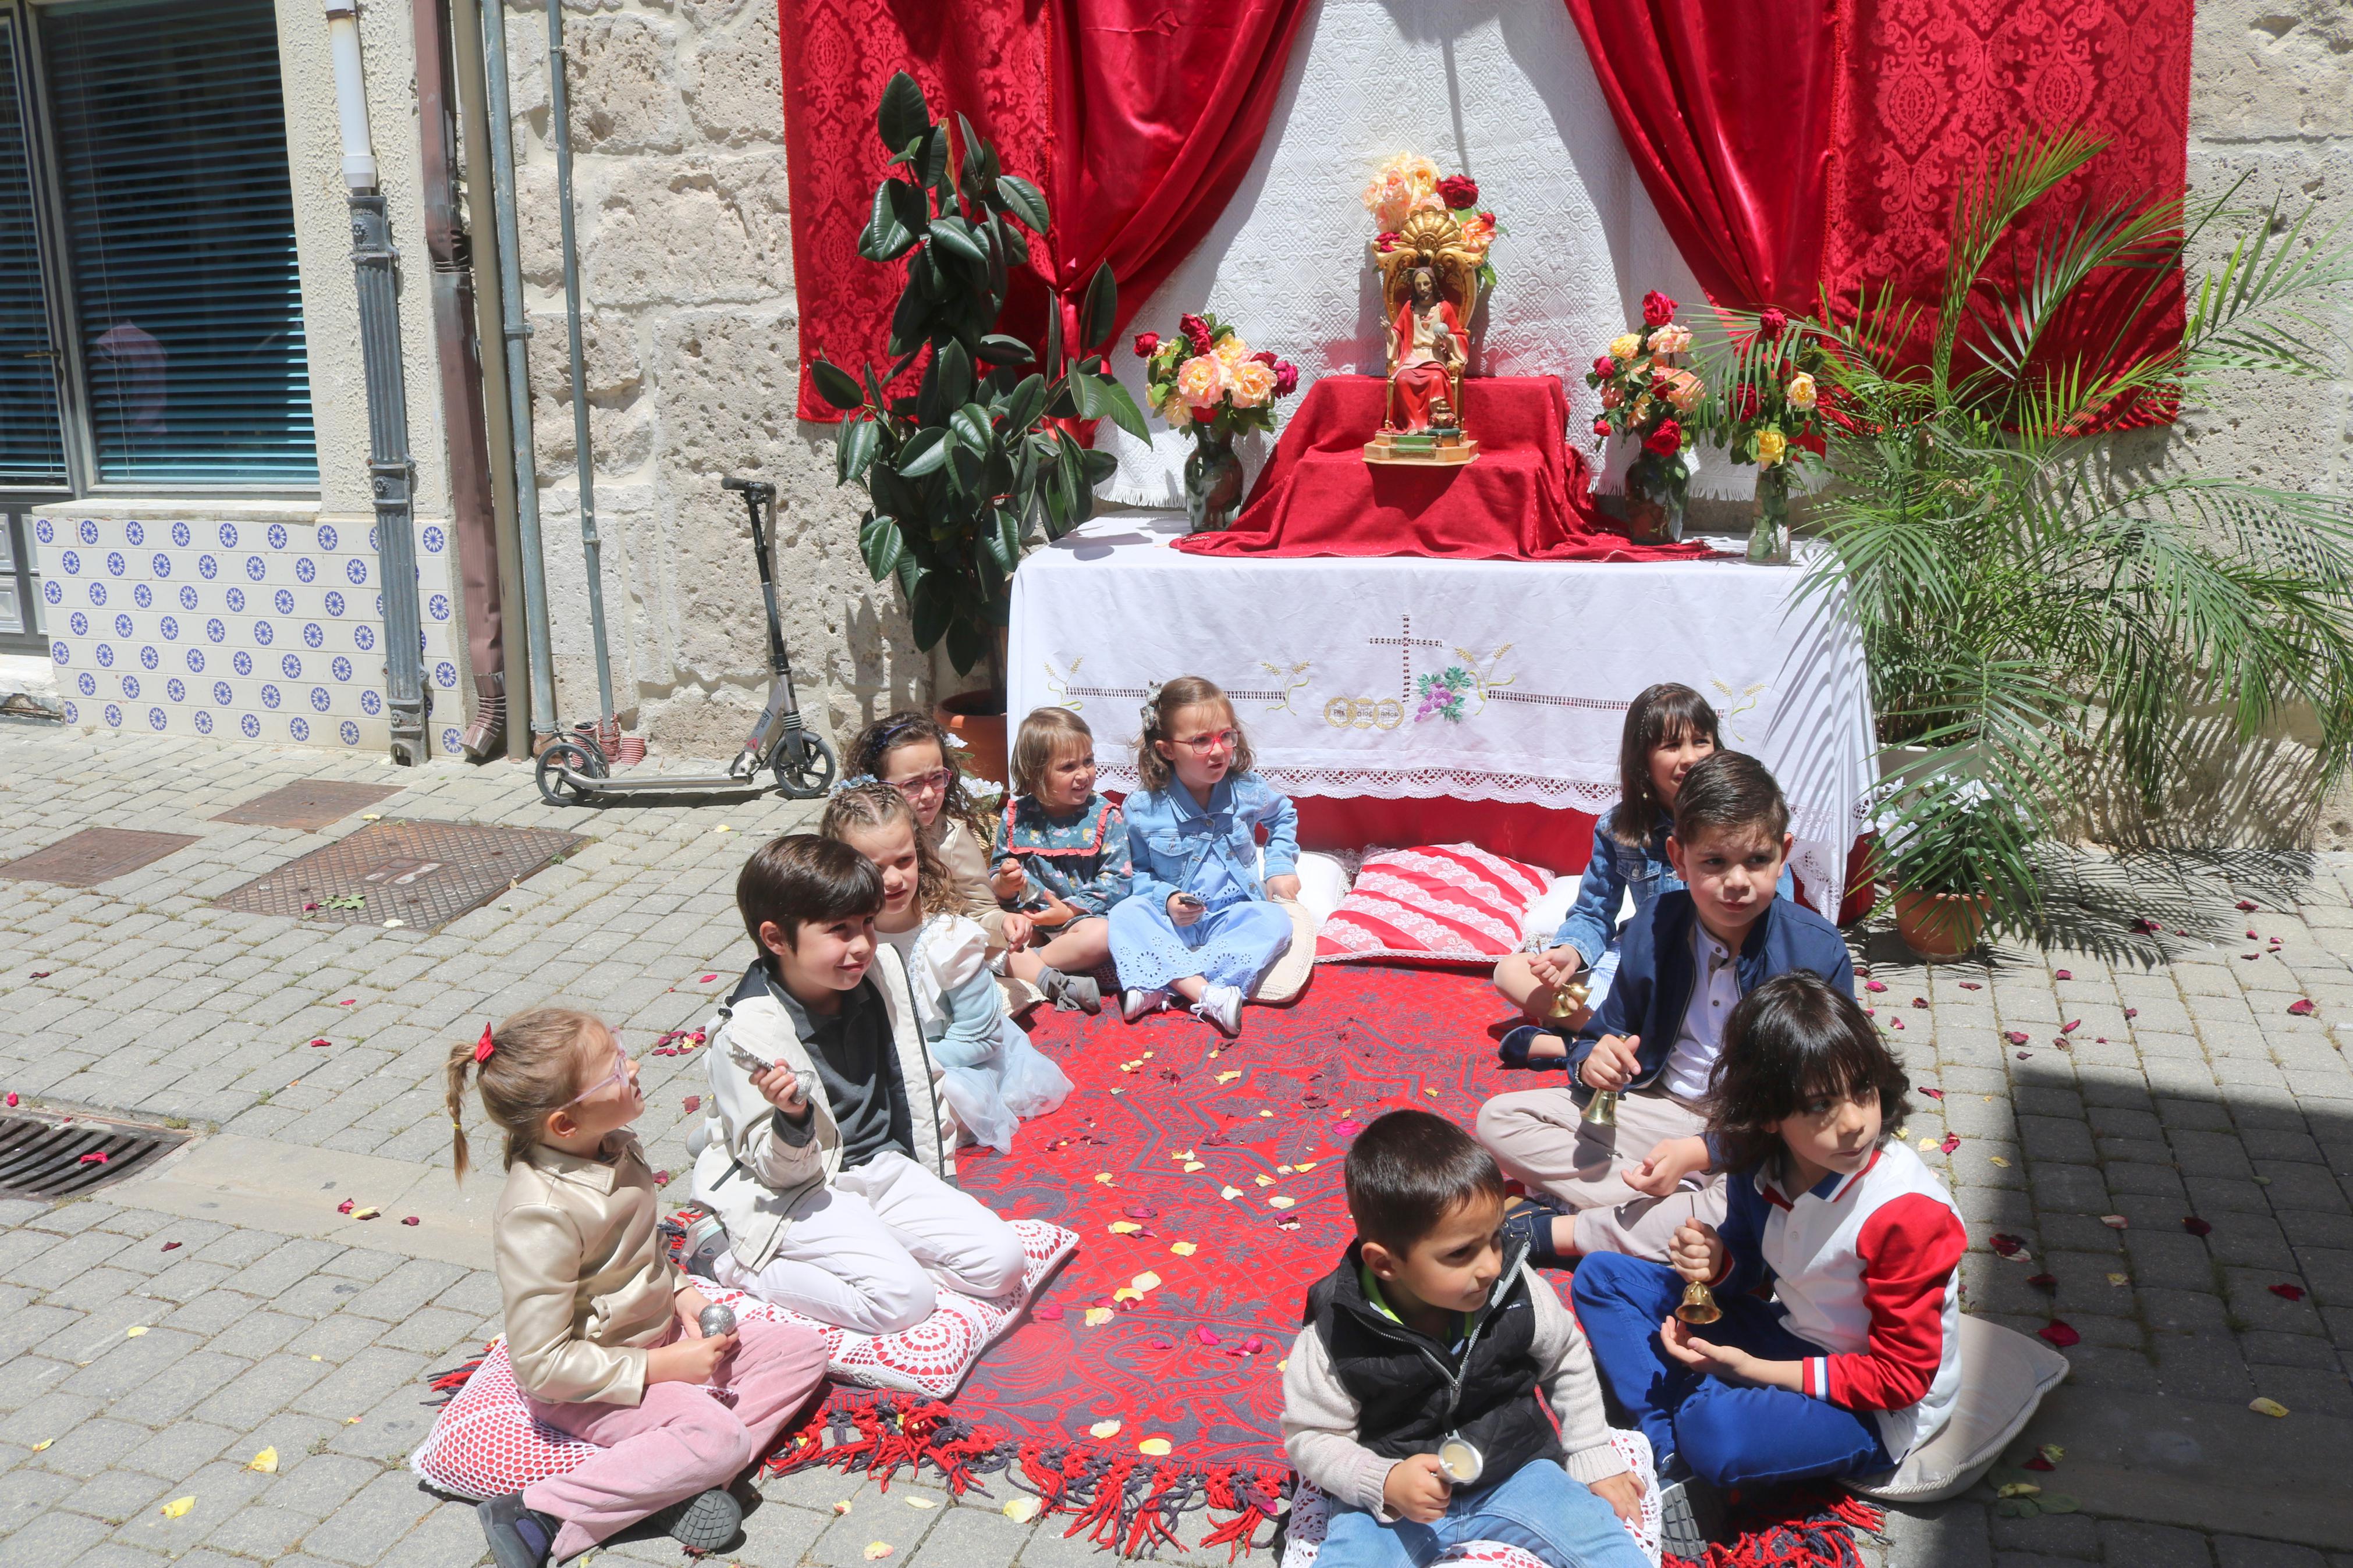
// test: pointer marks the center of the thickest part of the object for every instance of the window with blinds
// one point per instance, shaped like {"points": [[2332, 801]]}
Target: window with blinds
{"points": [[167, 145], [32, 441]]}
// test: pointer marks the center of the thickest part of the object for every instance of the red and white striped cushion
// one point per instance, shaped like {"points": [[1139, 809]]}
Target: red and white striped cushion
{"points": [[1446, 902]]}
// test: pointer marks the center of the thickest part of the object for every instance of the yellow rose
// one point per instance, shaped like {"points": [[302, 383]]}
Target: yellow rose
{"points": [[1231, 351], [1625, 346], [1800, 391], [1642, 406], [1201, 381], [1253, 383], [1684, 391], [1770, 445], [1671, 339]]}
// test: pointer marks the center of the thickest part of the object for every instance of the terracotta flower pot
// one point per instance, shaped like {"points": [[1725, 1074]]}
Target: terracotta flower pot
{"points": [[978, 718], [1940, 926]]}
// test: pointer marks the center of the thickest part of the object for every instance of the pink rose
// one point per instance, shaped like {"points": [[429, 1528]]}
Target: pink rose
{"points": [[1201, 382], [1251, 383], [1657, 309], [1286, 378], [1147, 344]]}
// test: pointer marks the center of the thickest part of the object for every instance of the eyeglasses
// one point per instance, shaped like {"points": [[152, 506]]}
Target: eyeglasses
{"points": [[933, 783], [620, 1075], [1217, 740]]}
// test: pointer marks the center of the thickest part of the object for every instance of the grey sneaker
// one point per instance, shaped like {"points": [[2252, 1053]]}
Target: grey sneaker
{"points": [[520, 1537], [1136, 1002], [703, 1522], [1221, 1005], [1072, 992], [706, 1238], [1689, 1514]]}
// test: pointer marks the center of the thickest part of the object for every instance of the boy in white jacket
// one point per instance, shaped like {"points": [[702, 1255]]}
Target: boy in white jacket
{"points": [[826, 1175]]}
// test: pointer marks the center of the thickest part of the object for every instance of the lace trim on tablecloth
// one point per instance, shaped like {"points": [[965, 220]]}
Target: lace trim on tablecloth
{"points": [[1413, 784]]}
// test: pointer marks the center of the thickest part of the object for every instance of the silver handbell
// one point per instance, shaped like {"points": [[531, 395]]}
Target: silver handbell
{"points": [[1460, 1460], [716, 1320]]}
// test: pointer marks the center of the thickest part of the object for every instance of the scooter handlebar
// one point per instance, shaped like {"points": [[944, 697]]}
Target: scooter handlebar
{"points": [[759, 488]]}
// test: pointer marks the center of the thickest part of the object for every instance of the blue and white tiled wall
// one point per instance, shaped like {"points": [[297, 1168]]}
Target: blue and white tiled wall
{"points": [[265, 631]]}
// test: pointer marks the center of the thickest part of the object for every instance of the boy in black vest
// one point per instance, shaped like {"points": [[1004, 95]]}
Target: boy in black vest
{"points": [[1411, 1398]]}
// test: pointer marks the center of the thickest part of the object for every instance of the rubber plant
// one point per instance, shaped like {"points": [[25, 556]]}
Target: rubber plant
{"points": [[964, 473]]}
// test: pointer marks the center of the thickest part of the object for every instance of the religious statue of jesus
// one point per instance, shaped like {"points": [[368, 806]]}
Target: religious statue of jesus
{"points": [[1425, 352]]}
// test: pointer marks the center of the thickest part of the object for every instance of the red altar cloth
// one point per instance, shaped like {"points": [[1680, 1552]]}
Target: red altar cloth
{"points": [[1526, 498]]}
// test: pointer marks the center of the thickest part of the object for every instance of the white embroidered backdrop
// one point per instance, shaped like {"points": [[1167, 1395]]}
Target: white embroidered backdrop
{"points": [[1499, 89]]}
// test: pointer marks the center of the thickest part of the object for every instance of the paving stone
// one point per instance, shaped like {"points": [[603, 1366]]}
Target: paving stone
{"points": [[2239, 1551], [2153, 1546]]}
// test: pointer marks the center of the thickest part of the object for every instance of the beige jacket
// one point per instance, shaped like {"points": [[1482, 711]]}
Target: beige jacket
{"points": [[748, 1174], [967, 864], [1319, 1414], [588, 1285]]}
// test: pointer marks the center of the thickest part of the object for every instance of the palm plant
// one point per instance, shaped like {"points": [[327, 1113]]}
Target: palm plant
{"points": [[2047, 633]]}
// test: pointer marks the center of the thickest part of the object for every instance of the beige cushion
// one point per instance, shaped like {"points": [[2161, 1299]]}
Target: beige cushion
{"points": [[1288, 978], [2004, 1377]]}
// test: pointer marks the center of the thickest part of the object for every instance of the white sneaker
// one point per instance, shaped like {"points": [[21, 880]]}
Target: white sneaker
{"points": [[1222, 1006], [1134, 1003], [706, 1243]]}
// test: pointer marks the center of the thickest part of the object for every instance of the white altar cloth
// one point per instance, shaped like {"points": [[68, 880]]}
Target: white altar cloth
{"points": [[1332, 665]]}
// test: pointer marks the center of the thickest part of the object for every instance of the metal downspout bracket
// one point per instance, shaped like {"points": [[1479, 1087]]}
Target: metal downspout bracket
{"points": [[392, 474]]}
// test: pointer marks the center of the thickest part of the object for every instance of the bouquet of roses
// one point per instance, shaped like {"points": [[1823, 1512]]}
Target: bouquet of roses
{"points": [[1772, 417], [1410, 183], [1648, 394], [1206, 380]]}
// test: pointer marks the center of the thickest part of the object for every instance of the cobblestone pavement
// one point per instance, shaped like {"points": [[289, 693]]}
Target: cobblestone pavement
{"points": [[2186, 1089]]}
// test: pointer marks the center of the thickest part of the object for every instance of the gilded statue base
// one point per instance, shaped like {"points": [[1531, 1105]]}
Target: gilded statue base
{"points": [[1423, 448]]}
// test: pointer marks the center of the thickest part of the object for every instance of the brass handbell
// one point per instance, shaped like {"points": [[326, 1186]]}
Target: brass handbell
{"points": [[1698, 1305], [1565, 1003]]}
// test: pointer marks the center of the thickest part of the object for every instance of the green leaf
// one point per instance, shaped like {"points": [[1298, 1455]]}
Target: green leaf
{"points": [[902, 115], [966, 470], [853, 454], [924, 453], [897, 221], [1008, 533], [997, 348], [879, 542], [1095, 466], [969, 424], [931, 607], [908, 322], [965, 644], [954, 235], [1087, 394], [955, 367], [835, 384], [1098, 313], [1121, 405], [1026, 403], [2058, 1502], [1024, 201]]}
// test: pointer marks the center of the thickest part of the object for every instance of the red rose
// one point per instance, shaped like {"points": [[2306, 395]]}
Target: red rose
{"points": [[1147, 344], [1666, 440], [1488, 219], [1286, 378], [1601, 426], [1459, 191], [1605, 367], [1657, 309], [1771, 323], [1197, 333], [1265, 357], [1744, 403]]}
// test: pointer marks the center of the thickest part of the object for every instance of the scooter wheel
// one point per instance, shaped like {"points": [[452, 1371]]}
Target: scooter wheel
{"points": [[805, 765], [581, 760]]}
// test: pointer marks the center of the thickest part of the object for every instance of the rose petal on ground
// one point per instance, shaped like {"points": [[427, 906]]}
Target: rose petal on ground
{"points": [[1998, 1160], [1193, 1165], [2120, 1280], [1046, 1314], [1264, 1181], [2287, 1292], [95, 1157], [1228, 1077], [1103, 1429], [877, 1550], [1932, 1093], [1971, 985], [366, 1213], [2060, 1334], [1021, 1509], [2015, 1037], [1154, 1446], [2263, 1406], [1919, 1001], [2071, 1025], [347, 1205], [1103, 1176], [1874, 985], [410, 1219], [171, 1245], [265, 1461], [1158, 1344], [12, 1100], [2115, 1221], [2038, 1463], [322, 1041], [2302, 1007], [43, 1444], [842, 1507], [1183, 1248], [135, 1331], [2063, 974], [2132, 1012], [661, 1178], [2008, 1245], [1952, 1141], [2043, 1282], [1147, 1280], [691, 1104], [1207, 1335], [1229, 1193], [2247, 906], [1281, 1203], [1346, 1128], [1124, 1228], [1927, 1144], [709, 978], [1098, 1316], [181, 1505], [2196, 1226]]}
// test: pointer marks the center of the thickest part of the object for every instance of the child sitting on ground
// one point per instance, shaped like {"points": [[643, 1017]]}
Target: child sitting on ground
{"points": [[1197, 920], [1854, 1362], [911, 752], [600, 1325], [1061, 856], [826, 1176], [1683, 966], [1669, 728], [991, 1076], [1410, 1400]]}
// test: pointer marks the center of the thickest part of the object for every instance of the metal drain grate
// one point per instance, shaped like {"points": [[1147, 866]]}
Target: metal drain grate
{"points": [[309, 806], [94, 855], [422, 874], [51, 1158]]}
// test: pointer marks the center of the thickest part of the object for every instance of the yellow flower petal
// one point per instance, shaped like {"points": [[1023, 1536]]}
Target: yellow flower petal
{"points": [[1431, 1092], [1021, 1509], [1155, 1447], [1103, 1176], [1282, 1170], [1181, 1154], [1128, 1293], [1303, 1170], [877, 1550], [842, 1507], [2020, 1489], [1193, 1165], [1183, 1249], [1266, 1114], [1280, 1202], [920, 1502], [2263, 1406], [180, 1505], [369, 1213], [265, 1461], [1103, 1429], [1228, 1077], [43, 1444], [1264, 1181], [135, 1331], [1229, 1193], [1927, 1142], [2119, 1278], [1999, 1161], [1098, 1316], [1124, 1228], [1147, 1280]]}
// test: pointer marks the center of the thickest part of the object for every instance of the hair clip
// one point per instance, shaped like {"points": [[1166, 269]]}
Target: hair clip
{"points": [[1150, 713], [485, 1046], [855, 780]]}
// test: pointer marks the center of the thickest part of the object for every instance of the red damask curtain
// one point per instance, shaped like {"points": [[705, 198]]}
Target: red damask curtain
{"points": [[986, 58], [1788, 143]]}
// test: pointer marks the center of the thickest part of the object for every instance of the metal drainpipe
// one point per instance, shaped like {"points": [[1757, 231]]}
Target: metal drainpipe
{"points": [[584, 463], [392, 474], [482, 227], [502, 186]]}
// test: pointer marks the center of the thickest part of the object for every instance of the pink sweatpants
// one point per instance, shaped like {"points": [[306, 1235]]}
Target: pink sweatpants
{"points": [[679, 1440]]}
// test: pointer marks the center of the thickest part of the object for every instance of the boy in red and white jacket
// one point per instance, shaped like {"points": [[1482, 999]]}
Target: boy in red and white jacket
{"points": [[1852, 1359]]}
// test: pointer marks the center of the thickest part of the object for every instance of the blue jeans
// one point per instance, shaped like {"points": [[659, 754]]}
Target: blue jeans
{"points": [[1536, 1509], [1727, 1435]]}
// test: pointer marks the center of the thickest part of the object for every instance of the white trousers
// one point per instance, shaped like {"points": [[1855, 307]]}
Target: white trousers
{"points": [[869, 1250]]}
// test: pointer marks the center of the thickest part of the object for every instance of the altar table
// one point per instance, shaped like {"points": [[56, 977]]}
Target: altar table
{"points": [[1376, 680]]}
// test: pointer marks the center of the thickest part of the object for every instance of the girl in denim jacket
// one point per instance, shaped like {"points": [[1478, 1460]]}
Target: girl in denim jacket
{"points": [[1667, 729], [1197, 920]]}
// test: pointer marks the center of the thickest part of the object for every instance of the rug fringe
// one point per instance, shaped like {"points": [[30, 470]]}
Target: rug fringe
{"points": [[1123, 1504], [1822, 1537]]}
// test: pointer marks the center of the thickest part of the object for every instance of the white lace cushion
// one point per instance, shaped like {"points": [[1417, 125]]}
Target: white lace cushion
{"points": [[1453, 902], [485, 1444], [1311, 1515]]}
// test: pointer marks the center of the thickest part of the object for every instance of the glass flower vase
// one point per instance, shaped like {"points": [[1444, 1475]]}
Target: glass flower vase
{"points": [[1655, 503], [1768, 531], [1213, 482]]}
